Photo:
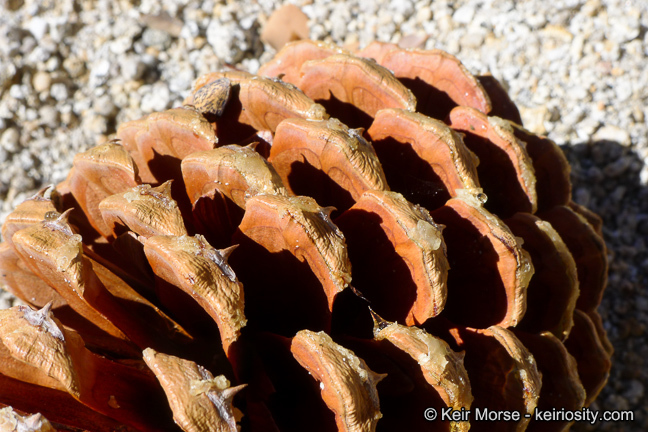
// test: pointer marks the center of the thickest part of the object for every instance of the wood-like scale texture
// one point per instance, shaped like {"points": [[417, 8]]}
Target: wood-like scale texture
{"points": [[403, 243]]}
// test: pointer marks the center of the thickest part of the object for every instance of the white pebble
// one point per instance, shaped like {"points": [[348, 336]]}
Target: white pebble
{"points": [[37, 26], [41, 81]]}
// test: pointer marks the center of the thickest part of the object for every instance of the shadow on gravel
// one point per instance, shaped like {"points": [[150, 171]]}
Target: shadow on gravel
{"points": [[605, 178]]}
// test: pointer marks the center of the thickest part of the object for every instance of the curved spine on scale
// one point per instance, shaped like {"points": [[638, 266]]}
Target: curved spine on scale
{"points": [[200, 401]]}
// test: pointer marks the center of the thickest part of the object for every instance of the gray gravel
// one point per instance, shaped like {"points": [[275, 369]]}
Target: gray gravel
{"points": [[70, 71]]}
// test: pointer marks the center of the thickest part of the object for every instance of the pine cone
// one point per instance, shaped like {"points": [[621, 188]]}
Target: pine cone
{"points": [[343, 241]]}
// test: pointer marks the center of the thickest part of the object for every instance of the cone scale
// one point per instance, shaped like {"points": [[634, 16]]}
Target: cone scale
{"points": [[339, 243]]}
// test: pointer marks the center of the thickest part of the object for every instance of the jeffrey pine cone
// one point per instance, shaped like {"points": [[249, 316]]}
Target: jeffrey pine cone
{"points": [[337, 243]]}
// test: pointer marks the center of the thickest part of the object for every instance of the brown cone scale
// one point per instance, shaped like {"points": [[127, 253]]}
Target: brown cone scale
{"points": [[326, 160], [422, 157]]}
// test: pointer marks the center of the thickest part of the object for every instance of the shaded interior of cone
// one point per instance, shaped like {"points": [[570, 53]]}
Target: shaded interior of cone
{"points": [[404, 392], [346, 112], [498, 177], [80, 221], [494, 375], [185, 310], [589, 253], [551, 169], [138, 307], [561, 386], [309, 180], [476, 292], [229, 127], [217, 218], [39, 294], [431, 101], [410, 175], [282, 294], [168, 167], [130, 258], [281, 395], [64, 408], [593, 360], [379, 273], [351, 315], [551, 289], [502, 105]]}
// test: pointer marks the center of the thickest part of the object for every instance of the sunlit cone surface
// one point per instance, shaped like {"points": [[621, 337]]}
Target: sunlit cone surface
{"points": [[339, 244]]}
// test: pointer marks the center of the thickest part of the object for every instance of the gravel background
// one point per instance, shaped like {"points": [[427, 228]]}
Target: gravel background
{"points": [[70, 71]]}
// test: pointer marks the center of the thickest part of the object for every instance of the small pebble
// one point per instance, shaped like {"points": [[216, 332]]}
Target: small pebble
{"points": [[7, 72], [10, 140], [616, 402], [617, 167], [156, 99], [464, 14], [156, 38], [49, 116], [104, 106], [59, 91], [37, 26], [132, 68], [74, 66], [612, 133], [96, 125], [534, 118], [634, 392], [41, 81]]}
